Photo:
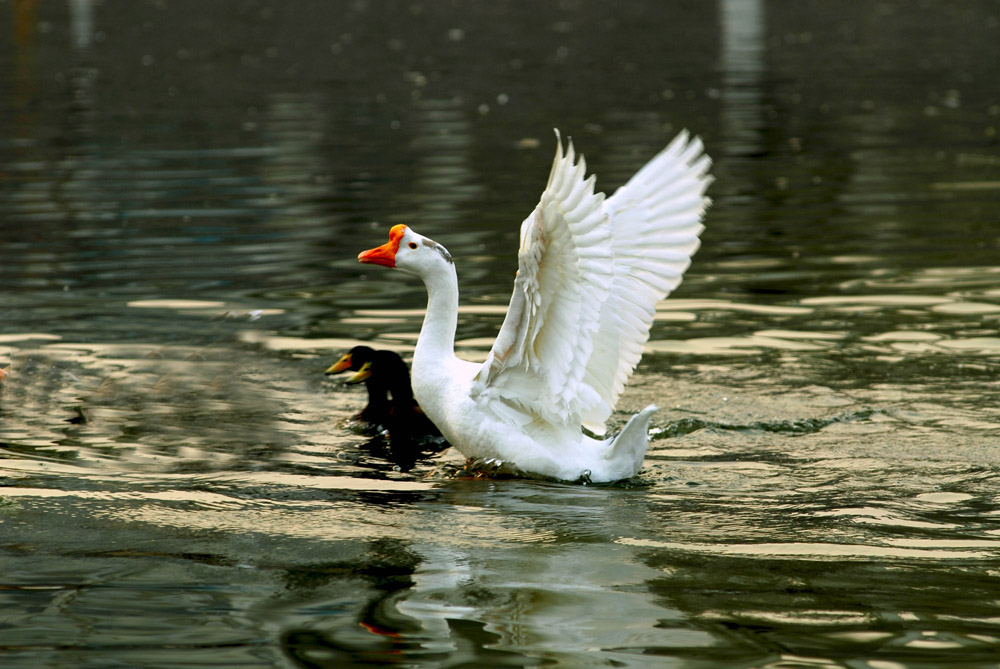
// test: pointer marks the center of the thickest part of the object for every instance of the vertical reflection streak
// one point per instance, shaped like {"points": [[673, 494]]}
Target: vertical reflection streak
{"points": [[742, 62]]}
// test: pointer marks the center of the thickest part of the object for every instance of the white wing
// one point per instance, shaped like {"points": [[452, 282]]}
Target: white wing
{"points": [[590, 272], [656, 219]]}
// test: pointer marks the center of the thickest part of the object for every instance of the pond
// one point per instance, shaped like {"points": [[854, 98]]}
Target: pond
{"points": [[185, 186]]}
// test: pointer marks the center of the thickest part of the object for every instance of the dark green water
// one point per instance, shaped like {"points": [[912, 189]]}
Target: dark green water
{"points": [[184, 188]]}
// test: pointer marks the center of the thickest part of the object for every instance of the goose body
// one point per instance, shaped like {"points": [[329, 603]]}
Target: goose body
{"points": [[590, 272]]}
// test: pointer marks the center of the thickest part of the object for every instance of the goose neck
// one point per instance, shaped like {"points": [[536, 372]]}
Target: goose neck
{"points": [[437, 336]]}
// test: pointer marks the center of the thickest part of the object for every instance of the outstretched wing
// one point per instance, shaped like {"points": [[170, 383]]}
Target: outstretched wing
{"points": [[590, 272], [655, 220]]}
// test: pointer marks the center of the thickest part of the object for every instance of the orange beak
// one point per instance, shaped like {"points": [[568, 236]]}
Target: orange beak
{"points": [[340, 365], [384, 255], [362, 374]]}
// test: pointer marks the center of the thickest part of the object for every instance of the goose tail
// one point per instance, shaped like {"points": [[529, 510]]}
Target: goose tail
{"points": [[628, 449]]}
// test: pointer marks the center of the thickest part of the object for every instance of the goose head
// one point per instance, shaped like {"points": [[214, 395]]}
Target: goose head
{"points": [[410, 252]]}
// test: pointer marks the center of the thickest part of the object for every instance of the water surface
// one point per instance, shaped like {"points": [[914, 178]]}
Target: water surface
{"points": [[184, 188]]}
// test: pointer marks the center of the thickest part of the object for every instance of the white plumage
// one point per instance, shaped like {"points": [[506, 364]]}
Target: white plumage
{"points": [[590, 272]]}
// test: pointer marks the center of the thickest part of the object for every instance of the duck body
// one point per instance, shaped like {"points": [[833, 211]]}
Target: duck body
{"points": [[591, 270], [405, 422], [391, 404]]}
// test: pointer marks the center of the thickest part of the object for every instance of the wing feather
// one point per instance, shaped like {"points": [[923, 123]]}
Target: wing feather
{"points": [[590, 272]]}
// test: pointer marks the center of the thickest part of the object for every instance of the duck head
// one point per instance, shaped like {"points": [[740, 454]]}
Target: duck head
{"points": [[390, 370], [353, 360], [408, 251], [361, 375]]}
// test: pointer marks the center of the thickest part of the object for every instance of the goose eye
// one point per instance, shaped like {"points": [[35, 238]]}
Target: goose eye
{"points": [[413, 245]]}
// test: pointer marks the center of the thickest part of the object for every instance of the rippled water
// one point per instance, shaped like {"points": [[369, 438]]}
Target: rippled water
{"points": [[184, 188]]}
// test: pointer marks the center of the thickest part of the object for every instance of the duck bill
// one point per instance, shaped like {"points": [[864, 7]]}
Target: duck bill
{"points": [[384, 255], [361, 375], [340, 365]]}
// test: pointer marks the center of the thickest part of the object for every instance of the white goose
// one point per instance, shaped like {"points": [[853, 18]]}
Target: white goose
{"points": [[590, 272]]}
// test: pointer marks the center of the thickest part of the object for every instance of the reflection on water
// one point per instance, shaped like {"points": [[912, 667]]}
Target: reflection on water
{"points": [[743, 68], [184, 190]]}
